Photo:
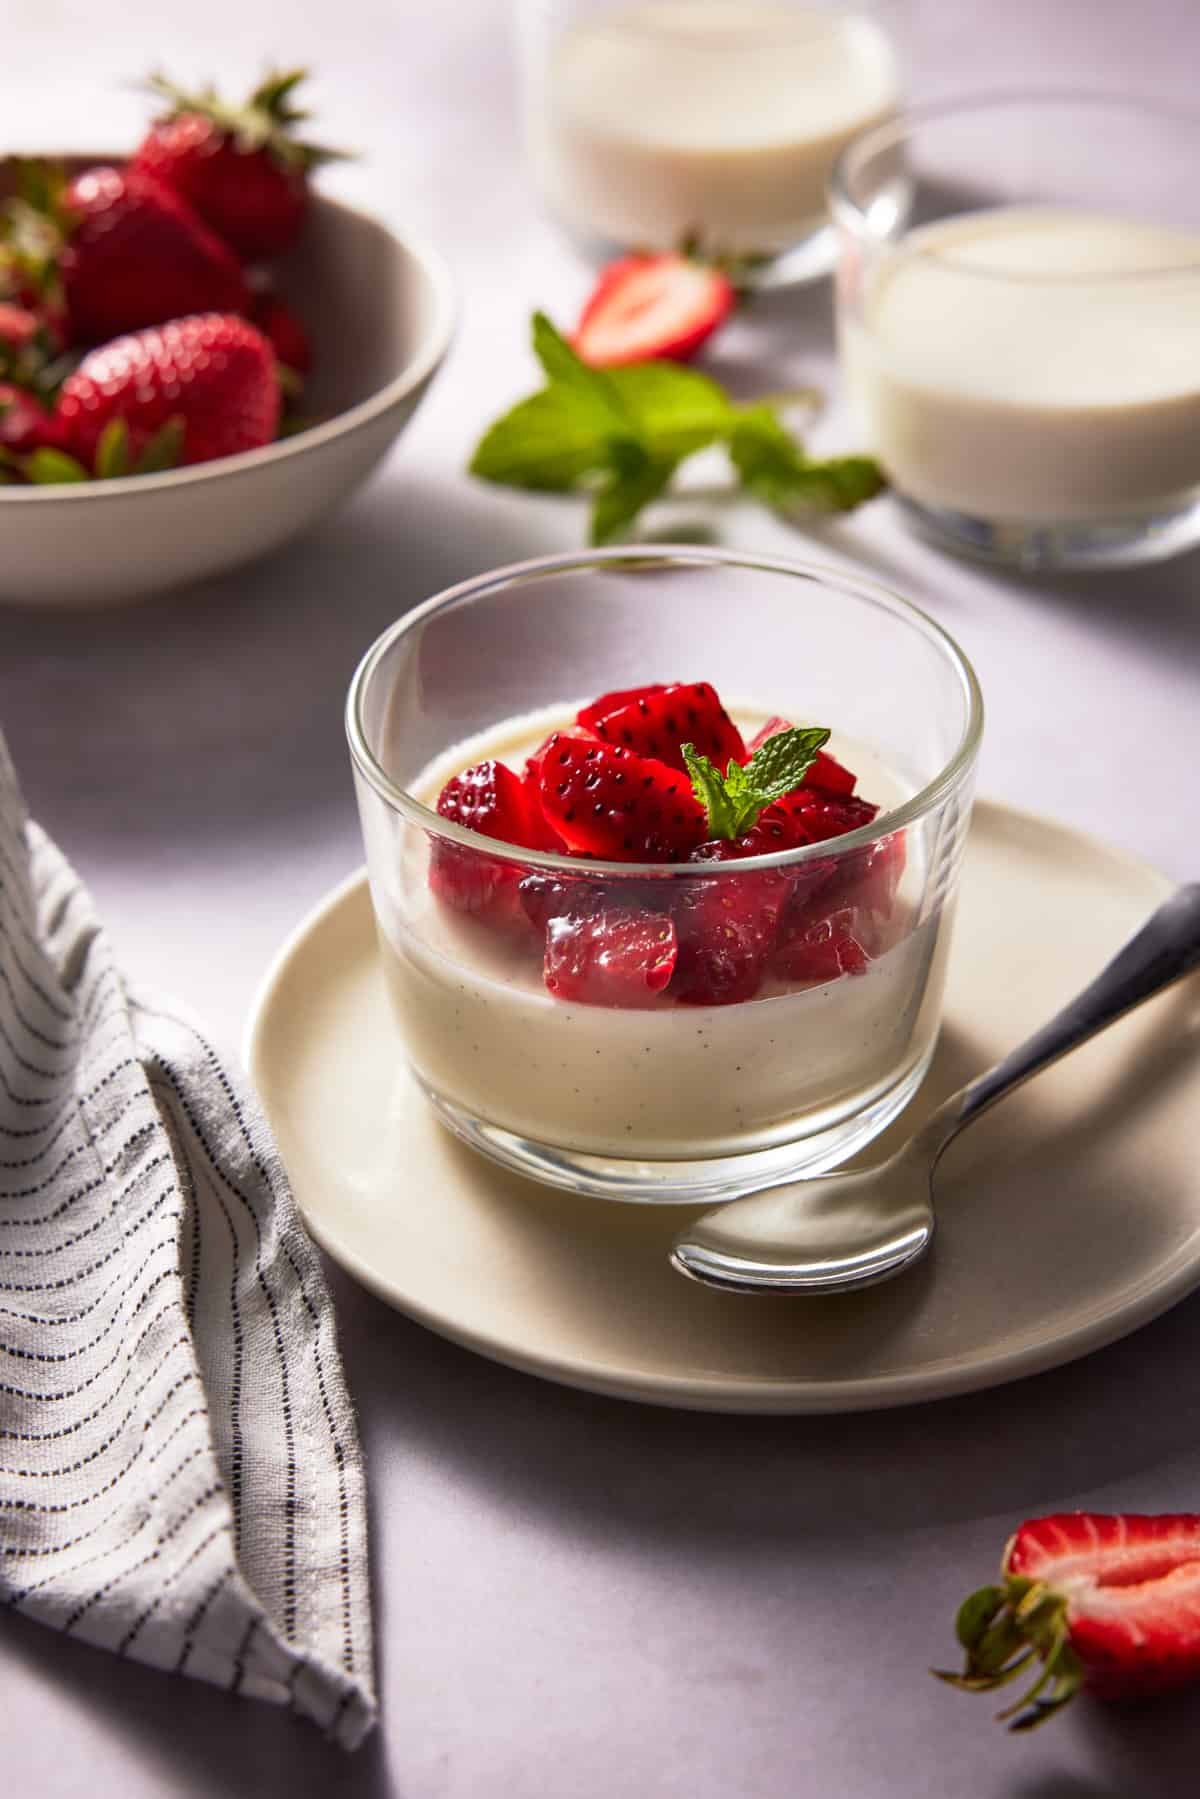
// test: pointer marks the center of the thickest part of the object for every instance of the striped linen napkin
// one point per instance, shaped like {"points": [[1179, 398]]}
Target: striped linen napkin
{"points": [[180, 1474]]}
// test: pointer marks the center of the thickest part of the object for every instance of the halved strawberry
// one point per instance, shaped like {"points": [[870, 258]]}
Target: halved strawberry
{"points": [[1111, 1602], [604, 800], [609, 955], [491, 799], [646, 307], [655, 721], [825, 771]]}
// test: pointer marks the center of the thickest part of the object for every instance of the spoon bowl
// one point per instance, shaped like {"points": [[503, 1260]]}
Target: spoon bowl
{"points": [[843, 1231]]}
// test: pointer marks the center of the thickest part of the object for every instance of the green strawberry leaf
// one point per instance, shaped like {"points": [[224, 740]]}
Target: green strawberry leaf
{"points": [[164, 449], [112, 451], [46, 468]]}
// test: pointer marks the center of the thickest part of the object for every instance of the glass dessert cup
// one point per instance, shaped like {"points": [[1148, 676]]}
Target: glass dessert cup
{"points": [[651, 123], [598, 1062], [1019, 324]]}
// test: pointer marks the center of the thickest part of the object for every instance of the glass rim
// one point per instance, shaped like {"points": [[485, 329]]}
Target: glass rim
{"points": [[617, 22], [950, 776], [902, 125]]}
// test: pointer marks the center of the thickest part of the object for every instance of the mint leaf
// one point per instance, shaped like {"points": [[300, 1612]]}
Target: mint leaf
{"points": [[708, 784], [772, 466], [629, 429], [592, 388], [735, 799], [784, 760], [676, 409], [621, 499], [548, 442]]}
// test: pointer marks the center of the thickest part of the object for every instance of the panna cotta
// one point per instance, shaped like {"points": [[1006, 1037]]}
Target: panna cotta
{"points": [[604, 1013], [715, 120], [1032, 365]]}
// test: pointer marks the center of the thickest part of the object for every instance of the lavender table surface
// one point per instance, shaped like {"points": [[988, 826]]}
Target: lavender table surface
{"points": [[579, 1598]]}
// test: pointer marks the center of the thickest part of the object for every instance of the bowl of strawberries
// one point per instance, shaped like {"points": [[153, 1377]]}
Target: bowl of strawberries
{"points": [[200, 355]]}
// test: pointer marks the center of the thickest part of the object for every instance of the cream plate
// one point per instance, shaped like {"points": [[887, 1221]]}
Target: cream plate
{"points": [[1068, 1217]]}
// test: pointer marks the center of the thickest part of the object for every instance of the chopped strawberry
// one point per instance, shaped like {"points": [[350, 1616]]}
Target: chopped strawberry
{"points": [[604, 800], [1107, 1602], [727, 926], [647, 307], [816, 815], [491, 799], [18, 326], [823, 950], [825, 771], [655, 721], [609, 955]]}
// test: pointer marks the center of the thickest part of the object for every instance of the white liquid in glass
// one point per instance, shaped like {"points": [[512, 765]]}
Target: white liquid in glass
{"points": [[1034, 365]]}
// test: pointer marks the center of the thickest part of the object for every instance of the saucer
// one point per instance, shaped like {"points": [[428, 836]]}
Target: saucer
{"points": [[1066, 1218]]}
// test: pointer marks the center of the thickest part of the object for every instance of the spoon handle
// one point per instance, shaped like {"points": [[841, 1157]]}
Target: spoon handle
{"points": [[1166, 948]]}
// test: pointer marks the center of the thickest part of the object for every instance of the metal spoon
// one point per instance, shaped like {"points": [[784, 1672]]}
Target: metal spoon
{"points": [[841, 1231]]}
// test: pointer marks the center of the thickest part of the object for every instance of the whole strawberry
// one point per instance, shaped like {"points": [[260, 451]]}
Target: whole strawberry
{"points": [[241, 167], [188, 391], [1103, 1601], [122, 249]]}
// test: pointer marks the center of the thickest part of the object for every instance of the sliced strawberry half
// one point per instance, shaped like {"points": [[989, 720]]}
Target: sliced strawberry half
{"points": [[491, 799], [607, 802], [646, 307], [1107, 1601], [609, 955], [656, 721]]}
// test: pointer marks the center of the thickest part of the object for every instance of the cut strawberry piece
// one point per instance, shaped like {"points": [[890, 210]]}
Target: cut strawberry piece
{"points": [[816, 816], [646, 307], [609, 955], [491, 799], [826, 949], [655, 721], [24, 422], [825, 772], [604, 800], [1110, 1602], [727, 926]]}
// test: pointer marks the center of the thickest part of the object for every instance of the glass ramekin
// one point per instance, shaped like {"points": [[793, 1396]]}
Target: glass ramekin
{"points": [[651, 123], [665, 1100], [1019, 321]]}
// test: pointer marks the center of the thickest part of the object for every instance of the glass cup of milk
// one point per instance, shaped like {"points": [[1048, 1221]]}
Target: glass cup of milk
{"points": [[1019, 324], [651, 124], [655, 1097]]}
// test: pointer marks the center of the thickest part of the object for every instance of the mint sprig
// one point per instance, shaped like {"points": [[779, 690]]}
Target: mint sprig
{"points": [[735, 799], [622, 433]]}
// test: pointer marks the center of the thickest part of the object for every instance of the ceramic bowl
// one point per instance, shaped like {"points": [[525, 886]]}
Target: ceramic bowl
{"points": [[380, 310]]}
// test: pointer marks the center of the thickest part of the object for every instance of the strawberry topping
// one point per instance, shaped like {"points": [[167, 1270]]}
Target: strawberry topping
{"points": [[609, 955], [655, 721], [726, 928], [605, 800], [491, 799], [646, 307]]}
